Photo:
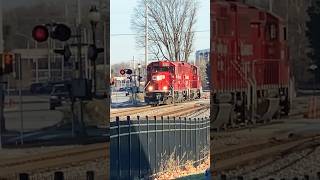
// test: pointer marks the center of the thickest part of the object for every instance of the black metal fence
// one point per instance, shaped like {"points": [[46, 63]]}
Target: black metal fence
{"points": [[315, 176], [58, 175], [139, 148]]}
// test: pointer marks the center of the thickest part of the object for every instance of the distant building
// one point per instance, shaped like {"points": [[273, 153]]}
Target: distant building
{"points": [[202, 56]]}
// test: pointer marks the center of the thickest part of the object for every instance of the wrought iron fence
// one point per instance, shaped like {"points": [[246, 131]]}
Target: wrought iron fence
{"points": [[140, 148]]}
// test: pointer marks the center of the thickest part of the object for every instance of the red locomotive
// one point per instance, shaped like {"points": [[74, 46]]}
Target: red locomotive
{"points": [[249, 64], [169, 82]]}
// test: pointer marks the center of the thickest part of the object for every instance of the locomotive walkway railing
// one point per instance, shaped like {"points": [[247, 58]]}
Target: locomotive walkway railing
{"points": [[140, 148]]}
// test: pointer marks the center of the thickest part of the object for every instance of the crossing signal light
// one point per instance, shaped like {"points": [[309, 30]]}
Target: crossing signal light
{"points": [[62, 32], [125, 71], [66, 52], [128, 71], [40, 33], [122, 72]]}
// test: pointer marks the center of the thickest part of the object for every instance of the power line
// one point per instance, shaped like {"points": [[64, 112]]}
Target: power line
{"points": [[131, 34]]}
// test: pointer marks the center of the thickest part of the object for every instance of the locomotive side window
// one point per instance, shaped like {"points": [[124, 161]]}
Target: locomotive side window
{"points": [[213, 27], [223, 27], [285, 33], [273, 32], [163, 69]]}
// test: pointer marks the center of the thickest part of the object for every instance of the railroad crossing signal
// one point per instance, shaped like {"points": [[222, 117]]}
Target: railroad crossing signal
{"points": [[125, 71], [41, 33]]}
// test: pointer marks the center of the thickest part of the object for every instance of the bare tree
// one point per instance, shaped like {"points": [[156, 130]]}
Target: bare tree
{"points": [[171, 26]]}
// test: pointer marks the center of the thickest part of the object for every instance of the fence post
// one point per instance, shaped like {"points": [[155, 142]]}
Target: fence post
{"points": [[208, 133], [58, 175], [169, 132], [139, 130], [195, 140], [23, 176], [162, 143], [186, 138], [180, 149], [240, 178], [306, 177], [90, 175], [156, 142], [203, 137], [190, 137], [223, 177], [119, 147], [129, 123], [175, 140], [148, 144]]}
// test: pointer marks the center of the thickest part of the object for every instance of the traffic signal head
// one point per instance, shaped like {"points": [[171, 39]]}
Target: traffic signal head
{"points": [[40, 33], [61, 32]]}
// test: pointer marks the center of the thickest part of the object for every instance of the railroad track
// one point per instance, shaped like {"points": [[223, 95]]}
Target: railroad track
{"points": [[231, 158], [179, 109], [184, 111], [295, 114], [56, 159], [133, 111]]}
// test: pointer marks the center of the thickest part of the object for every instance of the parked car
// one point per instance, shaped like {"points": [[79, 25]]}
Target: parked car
{"points": [[36, 88], [60, 93]]}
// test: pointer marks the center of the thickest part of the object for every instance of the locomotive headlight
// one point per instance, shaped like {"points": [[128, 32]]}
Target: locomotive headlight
{"points": [[165, 88], [150, 88]]}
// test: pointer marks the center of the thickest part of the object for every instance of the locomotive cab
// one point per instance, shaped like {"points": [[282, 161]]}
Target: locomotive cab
{"points": [[159, 87], [169, 82]]}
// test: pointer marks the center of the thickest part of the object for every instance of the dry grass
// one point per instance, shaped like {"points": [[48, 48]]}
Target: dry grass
{"points": [[172, 169]]}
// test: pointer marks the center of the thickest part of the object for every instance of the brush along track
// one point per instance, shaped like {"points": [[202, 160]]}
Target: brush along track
{"points": [[232, 158], [56, 159]]}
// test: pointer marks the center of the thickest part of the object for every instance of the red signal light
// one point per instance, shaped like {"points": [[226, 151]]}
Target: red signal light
{"points": [[40, 33], [122, 72]]}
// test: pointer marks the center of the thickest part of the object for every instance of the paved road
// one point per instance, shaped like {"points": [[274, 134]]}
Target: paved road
{"points": [[36, 114]]}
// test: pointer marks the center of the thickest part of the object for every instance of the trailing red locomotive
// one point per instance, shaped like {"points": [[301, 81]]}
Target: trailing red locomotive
{"points": [[249, 64], [169, 82]]}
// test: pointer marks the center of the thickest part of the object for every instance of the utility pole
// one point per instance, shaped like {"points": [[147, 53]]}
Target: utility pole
{"points": [[1, 78], [271, 6], [146, 37]]}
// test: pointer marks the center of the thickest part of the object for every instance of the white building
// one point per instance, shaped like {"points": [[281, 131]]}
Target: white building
{"points": [[202, 56]]}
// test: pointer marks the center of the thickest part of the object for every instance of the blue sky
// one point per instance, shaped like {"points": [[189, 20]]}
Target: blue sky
{"points": [[123, 47]]}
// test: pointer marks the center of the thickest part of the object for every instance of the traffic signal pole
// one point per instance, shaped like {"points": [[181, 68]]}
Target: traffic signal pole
{"points": [[79, 47], [2, 128], [93, 26]]}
